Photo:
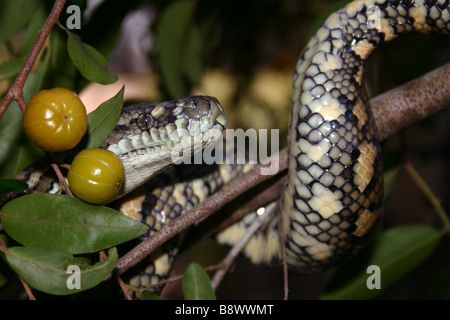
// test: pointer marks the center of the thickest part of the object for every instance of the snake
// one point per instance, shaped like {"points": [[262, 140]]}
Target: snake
{"points": [[333, 197]]}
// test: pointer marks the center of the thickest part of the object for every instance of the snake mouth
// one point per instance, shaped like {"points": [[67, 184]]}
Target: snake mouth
{"points": [[148, 135], [158, 128]]}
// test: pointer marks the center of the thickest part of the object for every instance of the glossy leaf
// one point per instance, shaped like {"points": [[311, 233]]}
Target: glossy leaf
{"points": [[36, 22], [10, 130], [5, 270], [57, 272], [196, 284], [14, 15], [8, 185], [147, 295], [25, 153], [171, 35], [11, 122], [91, 64], [11, 67], [61, 222], [63, 71], [396, 252], [192, 58], [103, 120]]}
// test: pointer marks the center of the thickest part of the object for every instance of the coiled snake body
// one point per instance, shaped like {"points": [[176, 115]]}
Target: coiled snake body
{"points": [[334, 193]]}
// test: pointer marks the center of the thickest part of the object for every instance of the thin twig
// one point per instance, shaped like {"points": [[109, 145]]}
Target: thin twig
{"points": [[239, 246], [435, 202], [27, 289], [124, 288], [411, 102], [269, 193], [283, 252], [22, 103], [201, 211], [65, 165], [179, 277], [15, 92], [425, 95], [3, 247], [61, 179]]}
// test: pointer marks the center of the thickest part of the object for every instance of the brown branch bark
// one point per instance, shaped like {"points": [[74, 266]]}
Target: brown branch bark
{"points": [[214, 203], [237, 248], [405, 105], [15, 92], [393, 110]]}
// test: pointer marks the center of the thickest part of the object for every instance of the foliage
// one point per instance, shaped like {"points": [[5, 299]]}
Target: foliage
{"points": [[192, 38]]}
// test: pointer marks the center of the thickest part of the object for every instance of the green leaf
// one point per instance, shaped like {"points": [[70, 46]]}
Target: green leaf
{"points": [[25, 153], [30, 36], [14, 15], [192, 58], [51, 271], [8, 185], [171, 35], [5, 270], [395, 252], [10, 130], [35, 80], [147, 295], [11, 122], [91, 64], [56, 221], [63, 71], [11, 67], [103, 120], [390, 177], [440, 284], [196, 284]]}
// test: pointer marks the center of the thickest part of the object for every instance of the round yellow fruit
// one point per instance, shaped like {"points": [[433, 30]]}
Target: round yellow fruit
{"points": [[96, 175], [55, 119]]}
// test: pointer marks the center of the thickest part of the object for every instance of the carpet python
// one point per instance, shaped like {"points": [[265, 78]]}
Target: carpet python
{"points": [[333, 196]]}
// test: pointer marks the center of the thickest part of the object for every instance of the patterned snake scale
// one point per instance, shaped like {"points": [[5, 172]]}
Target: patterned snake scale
{"points": [[333, 197]]}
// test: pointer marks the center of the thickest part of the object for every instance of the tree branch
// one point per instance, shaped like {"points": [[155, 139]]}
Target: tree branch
{"points": [[393, 111], [418, 99], [237, 248], [15, 92]]}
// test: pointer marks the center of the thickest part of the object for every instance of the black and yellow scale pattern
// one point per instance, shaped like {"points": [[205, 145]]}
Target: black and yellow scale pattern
{"points": [[334, 192], [333, 197]]}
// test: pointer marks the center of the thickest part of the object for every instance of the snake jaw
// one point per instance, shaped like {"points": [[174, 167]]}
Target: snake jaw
{"points": [[147, 135]]}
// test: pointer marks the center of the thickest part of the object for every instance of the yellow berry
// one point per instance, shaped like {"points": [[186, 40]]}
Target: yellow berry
{"points": [[55, 119], [96, 175]]}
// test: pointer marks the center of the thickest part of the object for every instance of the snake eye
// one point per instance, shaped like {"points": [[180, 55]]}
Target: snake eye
{"points": [[144, 121]]}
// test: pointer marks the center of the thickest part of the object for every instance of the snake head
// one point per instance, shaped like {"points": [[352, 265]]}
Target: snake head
{"points": [[149, 138]]}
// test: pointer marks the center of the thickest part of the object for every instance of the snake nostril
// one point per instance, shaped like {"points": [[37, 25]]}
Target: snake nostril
{"points": [[199, 109]]}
